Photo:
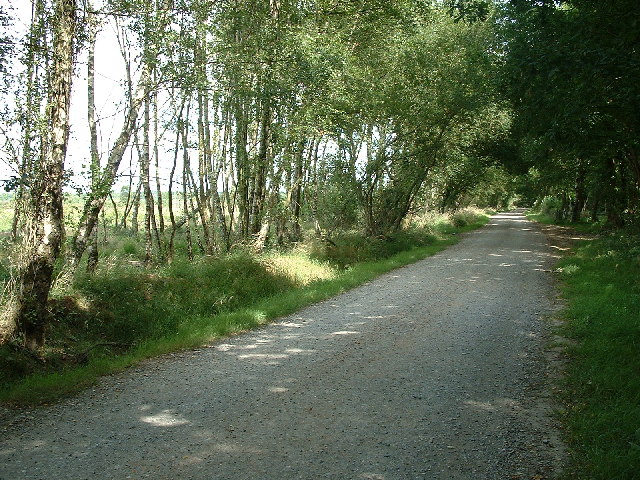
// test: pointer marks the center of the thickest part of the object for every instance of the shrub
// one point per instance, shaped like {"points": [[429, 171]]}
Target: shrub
{"points": [[549, 205], [132, 305], [131, 248]]}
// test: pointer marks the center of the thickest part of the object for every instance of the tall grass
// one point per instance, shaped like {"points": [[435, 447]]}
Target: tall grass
{"points": [[125, 313], [602, 287]]}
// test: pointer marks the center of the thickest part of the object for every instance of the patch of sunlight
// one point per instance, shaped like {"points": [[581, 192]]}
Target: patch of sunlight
{"points": [[225, 347], [165, 418], [502, 216], [499, 404], [372, 476], [299, 350], [191, 460], [268, 356], [259, 316], [569, 269], [298, 267], [290, 324], [345, 332], [484, 406], [229, 448], [38, 444], [278, 389]]}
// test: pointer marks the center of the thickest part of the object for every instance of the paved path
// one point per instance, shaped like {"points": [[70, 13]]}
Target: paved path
{"points": [[433, 371]]}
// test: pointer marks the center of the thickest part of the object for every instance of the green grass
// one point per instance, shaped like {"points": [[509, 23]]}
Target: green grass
{"points": [[125, 314], [601, 283]]}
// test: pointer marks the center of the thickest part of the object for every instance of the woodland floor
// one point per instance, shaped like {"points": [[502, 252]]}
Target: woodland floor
{"points": [[438, 370]]}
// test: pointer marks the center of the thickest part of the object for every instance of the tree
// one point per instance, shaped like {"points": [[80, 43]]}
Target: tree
{"points": [[571, 72], [45, 228]]}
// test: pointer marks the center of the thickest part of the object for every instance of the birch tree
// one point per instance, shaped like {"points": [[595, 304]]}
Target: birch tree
{"points": [[45, 228]]}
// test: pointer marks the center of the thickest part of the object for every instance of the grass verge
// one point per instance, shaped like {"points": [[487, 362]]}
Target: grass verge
{"points": [[123, 316], [601, 283]]}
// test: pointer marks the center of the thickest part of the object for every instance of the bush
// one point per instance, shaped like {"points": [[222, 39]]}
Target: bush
{"points": [[549, 205], [132, 305], [467, 216], [131, 248], [348, 249]]}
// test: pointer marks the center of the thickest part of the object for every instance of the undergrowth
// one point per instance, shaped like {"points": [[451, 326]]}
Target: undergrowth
{"points": [[125, 313], [602, 287]]}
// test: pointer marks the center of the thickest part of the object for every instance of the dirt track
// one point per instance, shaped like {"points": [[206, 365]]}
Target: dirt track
{"points": [[433, 371]]}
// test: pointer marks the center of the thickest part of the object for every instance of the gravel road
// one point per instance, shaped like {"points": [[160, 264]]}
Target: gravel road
{"points": [[437, 370]]}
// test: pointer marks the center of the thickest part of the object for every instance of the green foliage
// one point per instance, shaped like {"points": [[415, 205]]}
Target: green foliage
{"points": [[602, 286], [571, 72], [347, 249], [131, 305], [6, 41], [549, 206], [131, 247]]}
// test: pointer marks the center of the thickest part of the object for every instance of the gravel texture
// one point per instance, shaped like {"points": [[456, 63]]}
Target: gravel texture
{"points": [[437, 370]]}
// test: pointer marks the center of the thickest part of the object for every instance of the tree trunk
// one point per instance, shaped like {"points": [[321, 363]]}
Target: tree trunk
{"points": [[185, 188], [92, 261], [613, 205], [135, 227], [172, 217], [150, 226], [101, 187], [580, 193], [46, 229], [93, 254], [317, 168], [594, 209], [259, 192], [296, 194], [201, 193], [242, 170], [115, 211], [156, 157]]}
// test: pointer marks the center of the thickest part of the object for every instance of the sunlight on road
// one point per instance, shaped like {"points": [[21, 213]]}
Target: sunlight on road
{"points": [[166, 418]]}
